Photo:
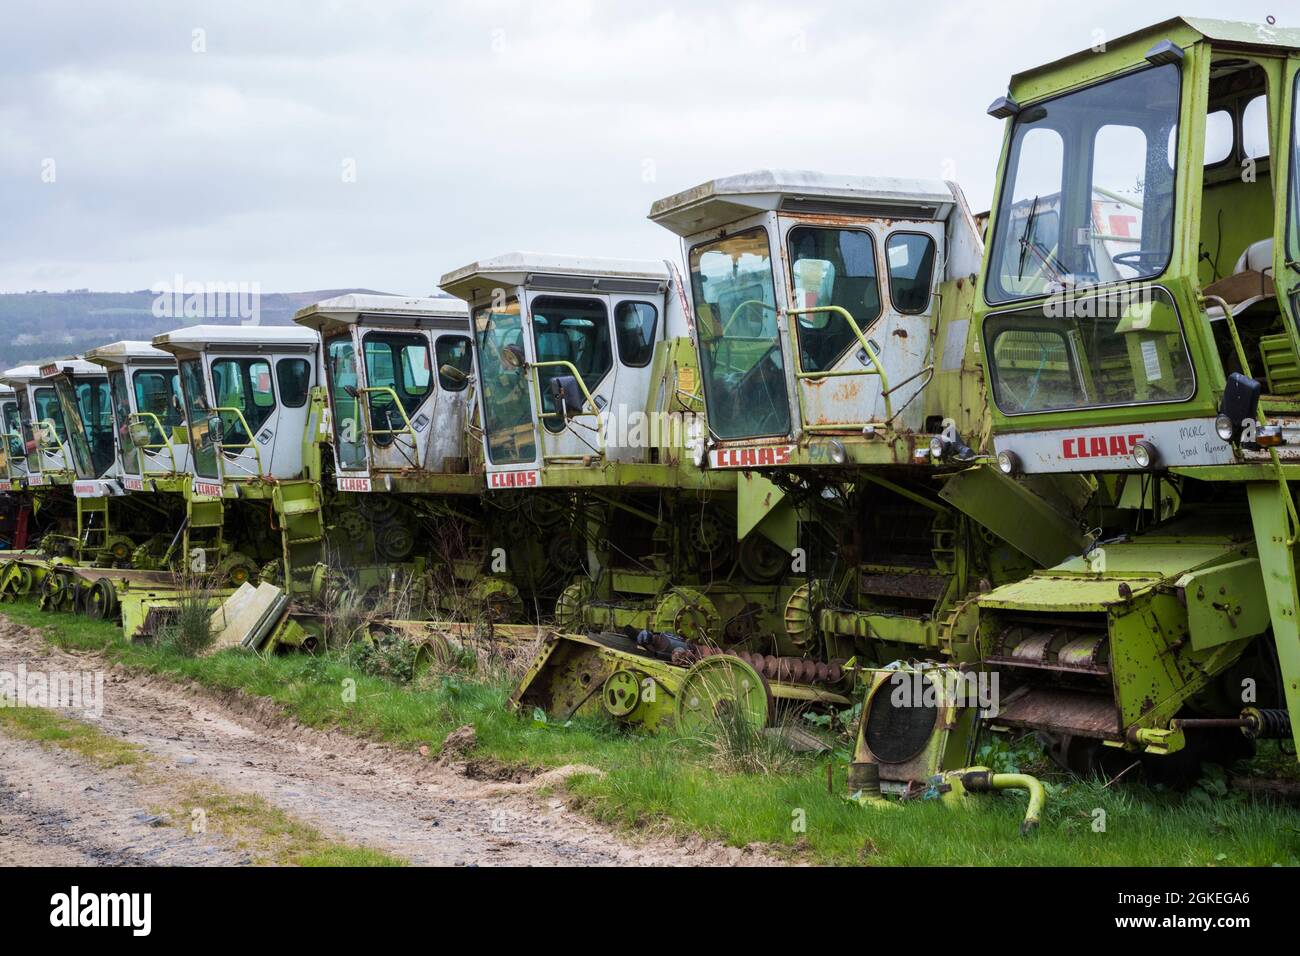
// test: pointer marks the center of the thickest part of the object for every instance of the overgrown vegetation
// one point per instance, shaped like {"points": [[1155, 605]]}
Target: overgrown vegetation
{"points": [[689, 786], [189, 632]]}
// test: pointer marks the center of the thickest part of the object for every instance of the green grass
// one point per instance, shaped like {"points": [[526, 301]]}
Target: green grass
{"points": [[675, 785], [47, 728]]}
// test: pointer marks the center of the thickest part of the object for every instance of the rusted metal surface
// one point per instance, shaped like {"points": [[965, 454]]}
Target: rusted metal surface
{"points": [[917, 584], [1062, 710]]}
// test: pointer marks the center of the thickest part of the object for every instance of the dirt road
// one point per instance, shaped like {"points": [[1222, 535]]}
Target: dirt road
{"points": [[56, 808]]}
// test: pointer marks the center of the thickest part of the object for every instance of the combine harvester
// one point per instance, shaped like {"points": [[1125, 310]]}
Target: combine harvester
{"points": [[403, 487], [1137, 318], [592, 429], [832, 324]]}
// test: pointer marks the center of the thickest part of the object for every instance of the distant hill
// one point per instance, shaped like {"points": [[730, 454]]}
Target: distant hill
{"points": [[36, 326]]}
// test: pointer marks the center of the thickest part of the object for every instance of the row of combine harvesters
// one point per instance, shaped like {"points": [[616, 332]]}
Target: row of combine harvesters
{"points": [[858, 451]]}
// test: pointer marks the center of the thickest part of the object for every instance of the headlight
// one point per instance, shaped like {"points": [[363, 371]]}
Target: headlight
{"points": [[1145, 454], [1008, 463], [839, 454], [938, 446], [1225, 427]]}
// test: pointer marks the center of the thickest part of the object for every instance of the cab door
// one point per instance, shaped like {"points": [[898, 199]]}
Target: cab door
{"points": [[882, 275], [147, 403], [573, 372], [638, 323], [399, 394]]}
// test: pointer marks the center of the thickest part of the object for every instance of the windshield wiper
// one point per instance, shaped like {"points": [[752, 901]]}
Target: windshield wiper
{"points": [[1024, 238]]}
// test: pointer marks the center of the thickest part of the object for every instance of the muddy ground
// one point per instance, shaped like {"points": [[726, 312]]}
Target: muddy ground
{"points": [[56, 808]]}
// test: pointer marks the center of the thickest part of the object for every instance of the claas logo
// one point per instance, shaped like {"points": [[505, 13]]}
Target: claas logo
{"points": [[1099, 446]]}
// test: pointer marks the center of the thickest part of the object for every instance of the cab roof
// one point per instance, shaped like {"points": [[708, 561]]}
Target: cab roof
{"points": [[720, 202], [20, 375], [542, 270], [72, 366], [334, 315], [236, 338], [1183, 31], [127, 350]]}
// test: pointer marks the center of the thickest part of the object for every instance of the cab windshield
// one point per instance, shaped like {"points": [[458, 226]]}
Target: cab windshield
{"points": [[49, 418], [196, 413], [1088, 194], [92, 424], [507, 406], [740, 348]]}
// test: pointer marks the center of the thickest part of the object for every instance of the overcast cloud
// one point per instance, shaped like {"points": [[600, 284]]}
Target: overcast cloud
{"points": [[472, 128]]}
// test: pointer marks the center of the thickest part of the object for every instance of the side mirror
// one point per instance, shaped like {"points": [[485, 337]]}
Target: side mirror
{"points": [[513, 357], [351, 390], [452, 374], [215, 430], [138, 432]]}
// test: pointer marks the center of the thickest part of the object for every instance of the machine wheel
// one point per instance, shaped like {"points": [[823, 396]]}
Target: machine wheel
{"points": [[272, 572], [120, 548], [801, 614], [761, 560], [100, 600], [722, 688], [435, 651], [710, 538], [56, 590], [621, 693], [689, 614], [569, 605], [395, 542], [236, 569], [498, 598]]}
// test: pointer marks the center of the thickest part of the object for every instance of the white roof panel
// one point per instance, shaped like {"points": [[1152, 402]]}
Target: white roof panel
{"points": [[193, 338], [719, 202], [513, 269]]}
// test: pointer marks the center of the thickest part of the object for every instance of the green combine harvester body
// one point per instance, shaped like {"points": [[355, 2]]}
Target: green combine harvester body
{"points": [[1136, 316], [591, 414]]}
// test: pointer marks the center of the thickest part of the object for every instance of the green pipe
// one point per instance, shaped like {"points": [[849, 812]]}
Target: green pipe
{"points": [[983, 781]]}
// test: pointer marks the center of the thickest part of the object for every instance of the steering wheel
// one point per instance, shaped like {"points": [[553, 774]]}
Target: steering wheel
{"points": [[735, 313], [1139, 259]]}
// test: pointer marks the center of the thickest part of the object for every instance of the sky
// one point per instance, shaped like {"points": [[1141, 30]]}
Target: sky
{"points": [[378, 144]]}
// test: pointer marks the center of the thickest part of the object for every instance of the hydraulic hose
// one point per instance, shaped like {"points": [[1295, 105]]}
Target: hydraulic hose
{"points": [[985, 781]]}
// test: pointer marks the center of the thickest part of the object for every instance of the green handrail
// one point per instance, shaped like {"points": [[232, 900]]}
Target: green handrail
{"points": [[876, 369], [406, 429], [165, 443], [251, 443], [587, 397]]}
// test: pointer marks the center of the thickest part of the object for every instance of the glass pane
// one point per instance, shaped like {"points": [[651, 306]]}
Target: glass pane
{"points": [[575, 331], [243, 384], [1090, 188], [1254, 128], [634, 326], [909, 256], [832, 267], [13, 429], [453, 350], [126, 457], [1115, 351], [96, 420], [50, 416], [1293, 227], [740, 351], [196, 414], [294, 376], [399, 365], [507, 408], [1218, 137], [341, 370]]}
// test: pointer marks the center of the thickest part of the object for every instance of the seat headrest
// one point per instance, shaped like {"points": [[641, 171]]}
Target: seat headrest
{"points": [[1258, 257]]}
